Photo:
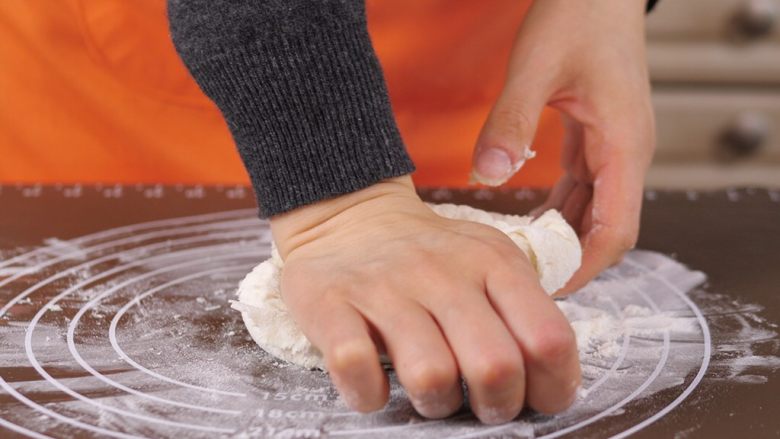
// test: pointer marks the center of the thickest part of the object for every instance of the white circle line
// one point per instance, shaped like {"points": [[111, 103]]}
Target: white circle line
{"points": [[36, 268], [702, 370], [130, 228], [31, 269], [34, 362], [704, 364], [188, 240], [156, 245], [650, 379], [92, 262], [74, 351], [118, 349], [21, 430], [35, 406], [86, 238], [621, 357], [82, 310]]}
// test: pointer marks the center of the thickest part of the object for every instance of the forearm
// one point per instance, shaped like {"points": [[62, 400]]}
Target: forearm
{"points": [[302, 92]]}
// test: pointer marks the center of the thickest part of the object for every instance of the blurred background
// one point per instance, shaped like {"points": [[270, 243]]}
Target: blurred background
{"points": [[92, 91], [715, 66]]}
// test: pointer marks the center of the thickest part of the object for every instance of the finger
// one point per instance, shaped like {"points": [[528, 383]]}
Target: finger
{"points": [[504, 144], [614, 220], [420, 354], [488, 356], [619, 142], [546, 338], [342, 335]]}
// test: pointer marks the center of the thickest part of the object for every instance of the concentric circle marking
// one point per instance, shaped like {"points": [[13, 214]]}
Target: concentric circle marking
{"points": [[269, 397], [625, 342], [118, 349], [136, 238], [38, 367], [35, 268], [705, 358], [129, 229], [74, 350]]}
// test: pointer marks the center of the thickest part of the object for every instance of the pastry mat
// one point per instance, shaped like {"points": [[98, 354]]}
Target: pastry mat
{"points": [[115, 322]]}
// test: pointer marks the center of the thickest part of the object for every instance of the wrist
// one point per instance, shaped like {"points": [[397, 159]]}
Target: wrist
{"points": [[298, 226]]}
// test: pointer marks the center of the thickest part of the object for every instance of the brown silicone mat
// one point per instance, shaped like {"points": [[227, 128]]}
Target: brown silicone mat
{"points": [[116, 323]]}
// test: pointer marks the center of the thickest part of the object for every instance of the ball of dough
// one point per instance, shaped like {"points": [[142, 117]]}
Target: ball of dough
{"points": [[549, 242]]}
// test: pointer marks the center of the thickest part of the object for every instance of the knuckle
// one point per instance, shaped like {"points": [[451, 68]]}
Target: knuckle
{"points": [[512, 256], [318, 297], [554, 345], [490, 248], [432, 269], [332, 292], [483, 251], [373, 269], [512, 117], [498, 372], [430, 380], [420, 259], [348, 356]]}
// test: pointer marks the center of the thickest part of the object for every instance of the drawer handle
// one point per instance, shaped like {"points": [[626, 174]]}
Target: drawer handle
{"points": [[755, 18], [745, 135]]}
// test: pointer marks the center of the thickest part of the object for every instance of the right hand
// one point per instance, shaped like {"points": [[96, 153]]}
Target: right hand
{"points": [[378, 271], [596, 76]]}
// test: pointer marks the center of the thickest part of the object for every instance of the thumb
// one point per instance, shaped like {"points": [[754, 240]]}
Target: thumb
{"points": [[504, 144]]}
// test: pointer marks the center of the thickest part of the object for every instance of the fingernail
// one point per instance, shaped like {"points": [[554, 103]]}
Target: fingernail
{"points": [[493, 166], [496, 415]]}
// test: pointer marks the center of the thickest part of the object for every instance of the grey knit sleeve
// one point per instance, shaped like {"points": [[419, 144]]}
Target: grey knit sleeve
{"points": [[302, 92]]}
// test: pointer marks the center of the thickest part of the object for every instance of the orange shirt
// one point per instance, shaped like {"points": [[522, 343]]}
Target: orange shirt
{"points": [[92, 91]]}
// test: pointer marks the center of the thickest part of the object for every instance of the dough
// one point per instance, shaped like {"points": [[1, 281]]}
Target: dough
{"points": [[551, 245]]}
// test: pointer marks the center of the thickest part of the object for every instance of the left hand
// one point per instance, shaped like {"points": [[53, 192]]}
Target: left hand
{"points": [[587, 60]]}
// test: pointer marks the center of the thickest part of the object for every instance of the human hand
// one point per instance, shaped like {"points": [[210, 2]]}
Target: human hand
{"points": [[586, 59], [378, 271]]}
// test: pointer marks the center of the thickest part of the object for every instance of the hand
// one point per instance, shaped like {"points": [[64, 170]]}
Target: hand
{"points": [[586, 59], [378, 271]]}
